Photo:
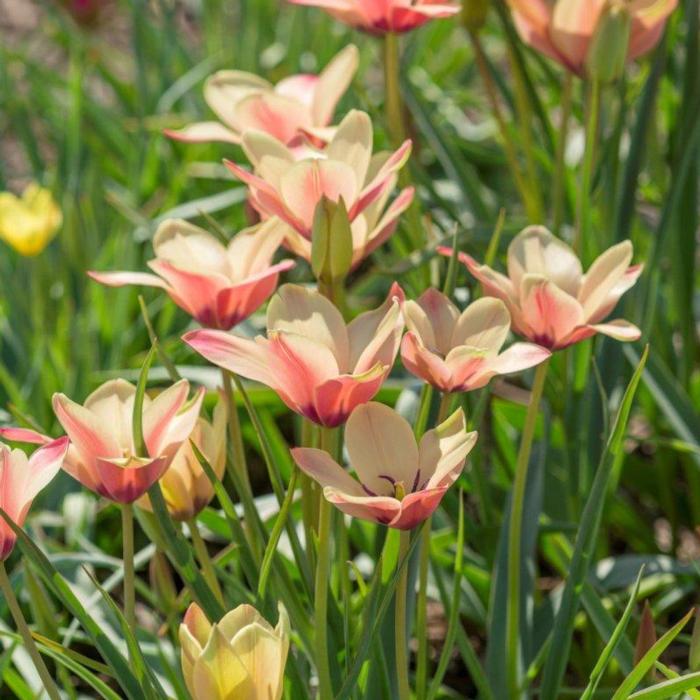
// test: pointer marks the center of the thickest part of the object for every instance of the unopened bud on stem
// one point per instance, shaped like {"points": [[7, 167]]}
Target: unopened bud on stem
{"points": [[607, 54], [331, 242]]}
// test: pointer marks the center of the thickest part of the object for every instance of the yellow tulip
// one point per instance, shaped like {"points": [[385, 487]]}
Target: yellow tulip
{"points": [[186, 488], [239, 658], [29, 223]]}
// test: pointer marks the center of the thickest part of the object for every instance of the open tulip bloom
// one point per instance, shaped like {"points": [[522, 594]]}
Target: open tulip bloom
{"points": [[381, 16], [399, 482], [288, 187], [102, 455], [320, 367], [186, 487], [297, 104], [219, 286], [564, 29], [550, 300], [241, 656], [21, 479], [461, 352]]}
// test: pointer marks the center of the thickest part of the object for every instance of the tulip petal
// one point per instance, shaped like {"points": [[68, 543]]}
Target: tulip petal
{"points": [[536, 251], [573, 24], [24, 435], [306, 312], [484, 324], [332, 83], [417, 507], [189, 247], [549, 313], [44, 464], [203, 132], [518, 357], [433, 319], [224, 90], [281, 117], [381, 448], [219, 673], [122, 279], [424, 364], [126, 480], [352, 145], [167, 422], [321, 467], [618, 329], [604, 275], [113, 404], [467, 366], [443, 451]]}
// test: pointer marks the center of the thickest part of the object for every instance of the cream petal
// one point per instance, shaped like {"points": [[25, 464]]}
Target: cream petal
{"points": [[332, 83], [536, 251], [619, 329], [573, 24], [306, 312], [251, 251], [484, 324], [604, 275], [224, 89], [112, 404], [443, 451], [352, 145], [382, 448], [441, 314], [203, 132], [279, 116], [321, 467], [218, 673], [189, 247], [424, 364]]}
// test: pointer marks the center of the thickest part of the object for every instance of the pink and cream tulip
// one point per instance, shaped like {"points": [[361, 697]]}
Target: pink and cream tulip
{"points": [[320, 367], [241, 656], [399, 482], [21, 479], [382, 16], [297, 105], [289, 187], [102, 455], [219, 286], [565, 29], [461, 352], [186, 487], [550, 300]]}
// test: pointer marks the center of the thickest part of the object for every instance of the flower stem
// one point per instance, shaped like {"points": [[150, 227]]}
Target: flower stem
{"points": [[205, 561], [323, 565], [400, 632], [584, 202], [26, 635], [514, 530], [394, 104], [238, 464], [128, 559]]}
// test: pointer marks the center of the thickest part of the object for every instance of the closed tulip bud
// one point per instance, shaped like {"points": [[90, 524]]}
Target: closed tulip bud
{"points": [[474, 14], [160, 577], [29, 223], [694, 651], [646, 636], [331, 241], [607, 54], [241, 656]]}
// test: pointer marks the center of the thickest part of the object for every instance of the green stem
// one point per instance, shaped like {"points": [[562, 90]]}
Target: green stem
{"points": [[584, 203], [394, 104], [511, 151], [400, 632], [514, 531], [329, 443], [559, 196], [239, 464], [26, 634], [205, 562], [422, 615], [128, 558]]}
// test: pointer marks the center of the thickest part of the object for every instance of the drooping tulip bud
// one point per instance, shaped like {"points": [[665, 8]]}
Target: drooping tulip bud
{"points": [[474, 14], [160, 577], [607, 54], [331, 241], [646, 636]]}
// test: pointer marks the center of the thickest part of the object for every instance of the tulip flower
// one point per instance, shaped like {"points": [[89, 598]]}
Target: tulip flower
{"points": [[30, 222], [288, 187], [102, 455], [400, 482], [565, 29], [320, 367], [21, 479], [460, 352], [185, 486], [551, 302], [241, 656], [219, 286], [298, 104], [381, 16]]}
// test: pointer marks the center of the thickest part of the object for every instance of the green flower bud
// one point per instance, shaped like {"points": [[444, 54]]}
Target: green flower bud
{"points": [[331, 242], [607, 54]]}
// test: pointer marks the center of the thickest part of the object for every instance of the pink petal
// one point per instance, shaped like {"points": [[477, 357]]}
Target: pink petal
{"points": [[163, 425], [376, 509], [573, 24], [122, 279], [335, 399], [432, 318], [44, 464], [126, 483], [203, 132], [299, 87], [417, 507], [549, 313], [24, 435], [424, 364], [321, 467], [279, 116]]}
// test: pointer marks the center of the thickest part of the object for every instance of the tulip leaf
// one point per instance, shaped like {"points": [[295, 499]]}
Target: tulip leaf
{"points": [[668, 689], [555, 665]]}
